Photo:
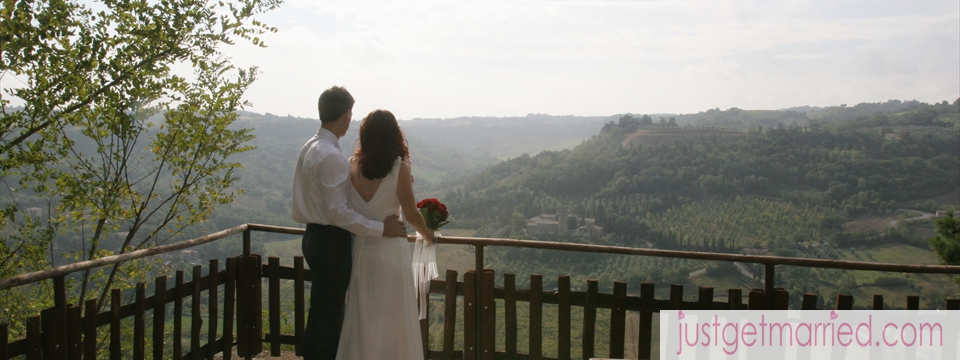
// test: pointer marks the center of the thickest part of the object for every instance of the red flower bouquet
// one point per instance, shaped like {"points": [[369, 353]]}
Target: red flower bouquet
{"points": [[434, 213]]}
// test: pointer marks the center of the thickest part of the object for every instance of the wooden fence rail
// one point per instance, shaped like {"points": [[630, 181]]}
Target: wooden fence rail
{"points": [[232, 300]]}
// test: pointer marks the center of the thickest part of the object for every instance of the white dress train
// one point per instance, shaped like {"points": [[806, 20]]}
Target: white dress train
{"points": [[381, 317]]}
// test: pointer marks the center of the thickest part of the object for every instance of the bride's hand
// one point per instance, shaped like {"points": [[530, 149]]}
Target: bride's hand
{"points": [[429, 236]]}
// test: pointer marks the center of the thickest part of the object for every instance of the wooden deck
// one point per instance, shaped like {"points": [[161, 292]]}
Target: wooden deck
{"points": [[230, 314]]}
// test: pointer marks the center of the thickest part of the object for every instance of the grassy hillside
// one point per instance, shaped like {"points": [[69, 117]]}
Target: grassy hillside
{"points": [[822, 191]]}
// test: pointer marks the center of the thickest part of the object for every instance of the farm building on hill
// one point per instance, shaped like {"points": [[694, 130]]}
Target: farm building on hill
{"points": [[563, 224]]}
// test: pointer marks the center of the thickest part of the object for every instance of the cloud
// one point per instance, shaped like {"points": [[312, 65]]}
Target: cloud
{"points": [[715, 70], [509, 57]]}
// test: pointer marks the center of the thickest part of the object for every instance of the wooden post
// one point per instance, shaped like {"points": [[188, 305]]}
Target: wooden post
{"points": [[844, 302], [159, 315], [755, 300], [34, 338], [734, 299], [4, 335], [953, 304], [249, 306], [115, 325], [478, 285], [769, 277], [618, 319], [58, 337], [590, 320], [705, 298], [425, 328], [139, 323], [488, 317], [645, 339], [913, 302], [510, 316], [536, 317], [229, 299], [53, 327], [74, 333], [676, 297], [449, 313], [781, 299], [196, 320], [274, 305], [246, 243], [809, 302], [470, 315], [299, 305], [90, 330], [563, 317], [60, 292], [213, 313], [178, 316]]}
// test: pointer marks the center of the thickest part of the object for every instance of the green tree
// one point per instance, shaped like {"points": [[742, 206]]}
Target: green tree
{"points": [[117, 144], [518, 223], [947, 241]]}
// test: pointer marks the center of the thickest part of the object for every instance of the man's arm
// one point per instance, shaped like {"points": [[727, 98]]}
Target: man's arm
{"points": [[334, 173]]}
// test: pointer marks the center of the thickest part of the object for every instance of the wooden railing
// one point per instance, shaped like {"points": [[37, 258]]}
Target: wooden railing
{"points": [[67, 331]]}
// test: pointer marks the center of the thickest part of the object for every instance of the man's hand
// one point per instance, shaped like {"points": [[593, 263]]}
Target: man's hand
{"points": [[393, 227]]}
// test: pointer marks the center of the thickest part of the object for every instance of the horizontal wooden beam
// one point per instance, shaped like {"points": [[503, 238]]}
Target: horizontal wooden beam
{"points": [[697, 255], [532, 244], [35, 276]]}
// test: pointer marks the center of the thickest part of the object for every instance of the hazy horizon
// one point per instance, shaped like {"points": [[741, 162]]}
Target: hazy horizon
{"points": [[358, 116], [499, 58], [504, 58]]}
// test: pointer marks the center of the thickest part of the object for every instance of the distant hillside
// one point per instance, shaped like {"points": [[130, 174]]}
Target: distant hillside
{"points": [[267, 173], [866, 110], [738, 118], [442, 150], [669, 137], [454, 156], [850, 167], [735, 118], [507, 137], [782, 188]]}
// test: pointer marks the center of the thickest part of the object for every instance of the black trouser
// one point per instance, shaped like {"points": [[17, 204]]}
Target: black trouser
{"points": [[327, 250]]}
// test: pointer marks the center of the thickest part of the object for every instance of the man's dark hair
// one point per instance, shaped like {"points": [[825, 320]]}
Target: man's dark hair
{"points": [[333, 103]]}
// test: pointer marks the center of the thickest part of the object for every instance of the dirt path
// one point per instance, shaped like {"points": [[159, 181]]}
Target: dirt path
{"points": [[923, 216]]}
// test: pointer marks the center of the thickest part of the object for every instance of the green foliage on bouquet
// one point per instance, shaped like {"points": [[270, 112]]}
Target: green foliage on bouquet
{"points": [[434, 213]]}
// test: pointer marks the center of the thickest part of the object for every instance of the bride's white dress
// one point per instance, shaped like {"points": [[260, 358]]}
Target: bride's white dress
{"points": [[381, 319]]}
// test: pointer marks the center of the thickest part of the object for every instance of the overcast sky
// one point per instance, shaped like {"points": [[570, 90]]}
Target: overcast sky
{"points": [[443, 59]]}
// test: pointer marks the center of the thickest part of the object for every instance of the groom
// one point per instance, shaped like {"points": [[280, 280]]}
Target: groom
{"points": [[320, 201]]}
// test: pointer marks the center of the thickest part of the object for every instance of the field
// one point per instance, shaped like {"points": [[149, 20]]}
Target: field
{"points": [[895, 287], [869, 223], [654, 138], [510, 149]]}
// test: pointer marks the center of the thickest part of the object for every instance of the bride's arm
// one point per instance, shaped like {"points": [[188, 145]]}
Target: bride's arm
{"points": [[408, 202]]}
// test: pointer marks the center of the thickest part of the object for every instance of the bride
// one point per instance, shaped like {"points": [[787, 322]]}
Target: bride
{"points": [[381, 318]]}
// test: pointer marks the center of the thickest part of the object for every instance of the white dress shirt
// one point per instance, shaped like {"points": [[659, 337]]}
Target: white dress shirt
{"points": [[320, 188]]}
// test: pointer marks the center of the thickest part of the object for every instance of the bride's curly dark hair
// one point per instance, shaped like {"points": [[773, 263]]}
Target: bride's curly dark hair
{"points": [[381, 142]]}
